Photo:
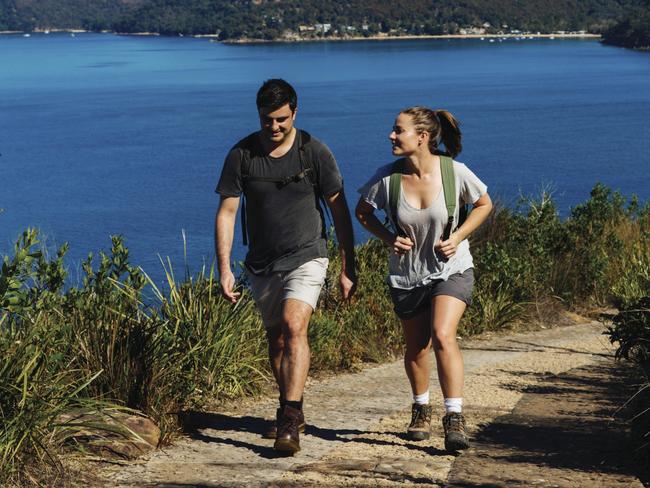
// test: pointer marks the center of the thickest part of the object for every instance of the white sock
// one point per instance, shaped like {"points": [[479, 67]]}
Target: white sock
{"points": [[454, 405], [421, 399]]}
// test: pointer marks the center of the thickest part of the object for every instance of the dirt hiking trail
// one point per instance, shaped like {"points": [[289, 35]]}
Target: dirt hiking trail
{"points": [[539, 408]]}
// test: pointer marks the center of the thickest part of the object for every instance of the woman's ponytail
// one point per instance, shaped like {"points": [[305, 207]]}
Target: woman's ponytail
{"points": [[450, 133]]}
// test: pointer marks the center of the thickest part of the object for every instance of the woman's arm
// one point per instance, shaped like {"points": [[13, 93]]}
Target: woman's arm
{"points": [[365, 214], [480, 212]]}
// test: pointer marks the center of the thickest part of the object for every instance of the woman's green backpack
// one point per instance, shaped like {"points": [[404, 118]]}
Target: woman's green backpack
{"points": [[448, 187]]}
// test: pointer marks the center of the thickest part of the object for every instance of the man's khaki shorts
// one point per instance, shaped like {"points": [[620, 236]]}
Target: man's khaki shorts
{"points": [[303, 283]]}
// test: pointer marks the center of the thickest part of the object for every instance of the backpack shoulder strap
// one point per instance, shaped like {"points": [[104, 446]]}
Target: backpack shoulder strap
{"points": [[394, 191], [246, 147], [449, 189], [313, 173], [306, 157]]}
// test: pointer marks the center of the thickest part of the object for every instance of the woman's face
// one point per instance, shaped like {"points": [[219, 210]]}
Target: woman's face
{"points": [[404, 138]]}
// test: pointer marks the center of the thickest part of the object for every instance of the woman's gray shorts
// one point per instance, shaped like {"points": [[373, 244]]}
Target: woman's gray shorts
{"points": [[410, 303]]}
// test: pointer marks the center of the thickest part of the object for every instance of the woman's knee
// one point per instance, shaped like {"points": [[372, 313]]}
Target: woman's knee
{"points": [[417, 354], [444, 340]]}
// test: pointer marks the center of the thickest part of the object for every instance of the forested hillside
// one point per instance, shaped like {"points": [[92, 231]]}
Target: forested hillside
{"points": [[262, 19], [633, 32]]}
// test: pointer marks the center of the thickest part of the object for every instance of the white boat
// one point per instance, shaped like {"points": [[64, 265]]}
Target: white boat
{"points": [[27, 35]]}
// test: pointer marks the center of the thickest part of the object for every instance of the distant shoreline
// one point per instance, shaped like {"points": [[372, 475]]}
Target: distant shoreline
{"points": [[213, 37], [411, 37]]}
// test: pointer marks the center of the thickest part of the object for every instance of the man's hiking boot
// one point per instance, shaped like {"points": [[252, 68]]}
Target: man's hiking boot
{"points": [[420, 427], [455, 432], [287, 439], [273, 430]]}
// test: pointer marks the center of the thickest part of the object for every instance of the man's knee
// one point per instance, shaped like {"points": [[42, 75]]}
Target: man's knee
{"points": [[296, 315], [295, 330]]}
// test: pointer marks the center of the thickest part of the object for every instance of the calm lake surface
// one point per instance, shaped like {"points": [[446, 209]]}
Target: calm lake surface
{"points": [[104, 134]]}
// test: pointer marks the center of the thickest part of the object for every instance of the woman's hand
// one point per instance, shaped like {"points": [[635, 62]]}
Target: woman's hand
{"points": [[401, 245], [449, 247], [365, 213]]}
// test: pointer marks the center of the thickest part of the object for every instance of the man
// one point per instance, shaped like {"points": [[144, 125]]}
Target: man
{"points": [[282, 173]]}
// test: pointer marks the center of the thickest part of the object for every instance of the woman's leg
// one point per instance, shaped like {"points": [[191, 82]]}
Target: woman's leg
{"points": [[417, 335], [445, 316], [446, 312]]}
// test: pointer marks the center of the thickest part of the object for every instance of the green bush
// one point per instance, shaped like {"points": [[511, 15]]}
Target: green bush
{"points": [[630, 329]]}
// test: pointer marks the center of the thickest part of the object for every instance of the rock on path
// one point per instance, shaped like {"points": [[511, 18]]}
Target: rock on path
{"points": [[356, 422]]}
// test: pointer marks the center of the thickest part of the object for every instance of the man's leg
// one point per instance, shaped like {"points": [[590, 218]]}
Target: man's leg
{"points": [[293, 373], [267, 291], [276, 348], [302, 287], [295, 357]]}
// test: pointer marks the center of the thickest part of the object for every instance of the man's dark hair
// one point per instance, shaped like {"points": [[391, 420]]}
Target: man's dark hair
{"points": [[276, 93]]}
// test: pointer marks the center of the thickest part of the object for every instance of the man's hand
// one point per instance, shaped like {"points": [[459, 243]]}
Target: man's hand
{"points": [[227, 282], [348, 285], [224, 229], [343, 226]]}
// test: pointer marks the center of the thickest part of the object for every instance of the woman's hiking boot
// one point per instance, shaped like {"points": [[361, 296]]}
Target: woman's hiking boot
{"points": [[273, 430], [455, 432], [420, 427], [287, 439]]}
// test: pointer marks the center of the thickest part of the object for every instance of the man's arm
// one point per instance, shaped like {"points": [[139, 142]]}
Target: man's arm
{"points": [[224, 230], [343, 227]]}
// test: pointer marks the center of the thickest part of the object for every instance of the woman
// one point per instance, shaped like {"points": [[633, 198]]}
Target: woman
{"points": [[430, 276]]}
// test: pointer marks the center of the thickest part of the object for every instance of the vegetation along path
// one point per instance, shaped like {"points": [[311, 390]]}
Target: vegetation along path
{"points": [[539, 408]]}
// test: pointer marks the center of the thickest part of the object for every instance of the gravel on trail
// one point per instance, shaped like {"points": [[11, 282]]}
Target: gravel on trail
{"points": [[538, 406]]}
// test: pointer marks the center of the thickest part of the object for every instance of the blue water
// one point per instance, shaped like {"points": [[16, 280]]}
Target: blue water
{"points": [[104, 134]]}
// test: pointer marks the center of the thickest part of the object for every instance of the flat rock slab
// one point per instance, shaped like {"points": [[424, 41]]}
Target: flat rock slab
{"points": [[356, 422]]}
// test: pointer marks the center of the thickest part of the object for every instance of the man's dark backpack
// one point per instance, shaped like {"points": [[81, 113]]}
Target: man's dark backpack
{"points": [[448, 187], [308, 169]]}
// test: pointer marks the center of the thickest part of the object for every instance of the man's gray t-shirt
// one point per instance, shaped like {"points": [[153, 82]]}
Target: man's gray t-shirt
{"points": [[284, 222], [425, 226]]}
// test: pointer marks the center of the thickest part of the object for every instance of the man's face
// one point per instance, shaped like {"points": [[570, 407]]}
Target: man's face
{"points": [[277, 124]]}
